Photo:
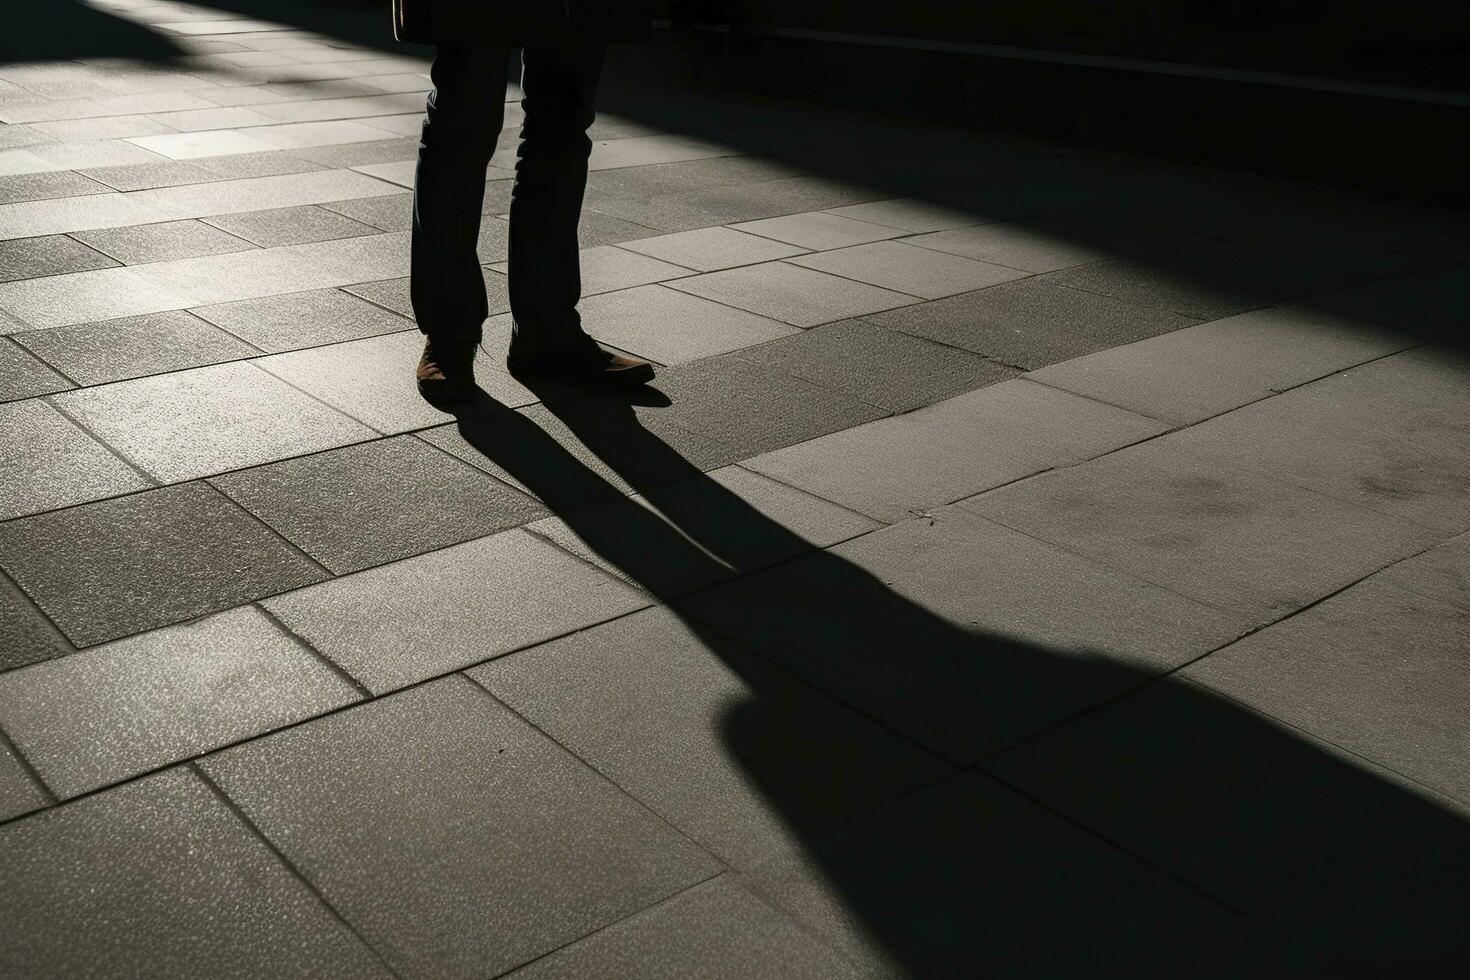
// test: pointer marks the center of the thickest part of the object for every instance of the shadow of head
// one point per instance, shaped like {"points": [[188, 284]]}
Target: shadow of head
{"points": [[1060, 807]]}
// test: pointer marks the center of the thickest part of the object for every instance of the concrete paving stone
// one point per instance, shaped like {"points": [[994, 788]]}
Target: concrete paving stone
{"points": [[268, 164], [960, 633], [1427, 305], [16, 136], [48, 462], [717, 930], [489, 596], [146, 176], [1018, 246], [47, 186], [689, 175], [1375, 669], [392, 212], [749, 410], [717, 205], [673, 327], [474, 835], [26, 637], [1361, 869], [1442, 573], [497, 197], [918, 272], [896, 372], [493, 243], [534, 450], [221, 117], [802, 297], [310, 110], [896, 467], [1158, 286], [22, 376], [407, 124], [290, 226], [115, 350], [101, 128], [208, 420], [127, 707], [161, 242], [818, 230], [1200, 371], [19, 793], [606, 268], [401, 172], [255, 193], [89, 154], [28, 219], [763, 522], [370, 380], [160, 879], [207, 280], [116, 567], [51, 255], [362, 154], [596, 228], [1389, 436], [897, 893], [1031, 323], [392, 294], [710, 249], [704, 734], [305, 319], [349, 508], [1229, 536], [909, 215], [638, 151]]}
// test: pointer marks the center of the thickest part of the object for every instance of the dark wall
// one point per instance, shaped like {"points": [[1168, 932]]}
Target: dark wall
{"points": [[1415, 41]]}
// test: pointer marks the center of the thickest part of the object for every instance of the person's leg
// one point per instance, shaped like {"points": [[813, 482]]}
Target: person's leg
{"points": [[546, 203], [560, 84], [465, 113]]}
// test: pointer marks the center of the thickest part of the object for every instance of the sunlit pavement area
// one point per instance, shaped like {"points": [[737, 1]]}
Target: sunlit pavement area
{"points": [[1032, 561]]}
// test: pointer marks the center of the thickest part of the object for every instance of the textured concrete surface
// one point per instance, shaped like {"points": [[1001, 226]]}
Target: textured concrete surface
{"points": [[1030, 560]]}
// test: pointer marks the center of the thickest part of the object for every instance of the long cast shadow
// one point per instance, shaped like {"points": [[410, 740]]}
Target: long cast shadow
{"points": [[1270, 854]]}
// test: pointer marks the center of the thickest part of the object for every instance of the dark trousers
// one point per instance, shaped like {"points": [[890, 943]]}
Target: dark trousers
{"points": [[465, 112]]}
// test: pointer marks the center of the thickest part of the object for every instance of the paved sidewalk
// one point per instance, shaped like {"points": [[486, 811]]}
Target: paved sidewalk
{"points": [[1032, 561]]}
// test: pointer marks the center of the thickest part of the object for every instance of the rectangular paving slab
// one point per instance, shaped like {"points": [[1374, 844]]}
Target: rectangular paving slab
{"points": [[743, 759], [709, 249], [116, 567], [1030, 323], [19, 793], [671, 327], [50, 255], [26, 635], [895, 467], [131, 347], [1204, 370], [1235, 538], [970, 879], [159, 878], [23, 376], [117, 710], [717, 930], [802, 297], [483, 598], [485, 846], [376, 502], [1442, 573], [208, 420], [303, 319], [894, 371], [47, 462], [1375, 669], [1362, 870], [918, 272], [161, 241], [1389, 436], [960, 633]]}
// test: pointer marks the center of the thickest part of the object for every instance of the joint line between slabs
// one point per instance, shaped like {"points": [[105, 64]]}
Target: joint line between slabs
{"points": [[286, 862]]}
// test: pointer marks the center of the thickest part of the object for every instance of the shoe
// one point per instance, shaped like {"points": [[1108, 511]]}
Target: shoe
{"points": [[585, 367], [446, 372]]}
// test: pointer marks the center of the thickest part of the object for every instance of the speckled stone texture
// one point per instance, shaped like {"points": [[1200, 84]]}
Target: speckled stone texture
{"points": [[454, 858], [158, 878]]}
